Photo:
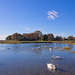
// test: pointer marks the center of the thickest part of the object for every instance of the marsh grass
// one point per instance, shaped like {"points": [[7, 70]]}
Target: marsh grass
{"points": [[72, 52], [38, 41], [10, 42], [17, 42], [66, 48]]}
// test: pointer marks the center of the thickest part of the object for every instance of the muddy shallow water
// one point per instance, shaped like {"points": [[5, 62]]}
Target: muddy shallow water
{"points": [[26, 59]]}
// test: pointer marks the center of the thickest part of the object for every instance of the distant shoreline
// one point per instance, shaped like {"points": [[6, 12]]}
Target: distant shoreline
{"points": [[18, 42]]}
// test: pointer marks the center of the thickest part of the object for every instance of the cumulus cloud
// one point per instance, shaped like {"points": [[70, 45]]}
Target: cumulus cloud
{"points": [[52, 14]]}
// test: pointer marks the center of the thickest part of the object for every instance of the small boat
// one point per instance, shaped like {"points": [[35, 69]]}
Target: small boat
{"points": [[51, 66], [57, 57]]}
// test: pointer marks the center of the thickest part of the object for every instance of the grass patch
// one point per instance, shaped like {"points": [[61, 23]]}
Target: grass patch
{"points": [[38, 41], [66, 48], [72, 52], [65, 42], [10, 42], [17, 42]]}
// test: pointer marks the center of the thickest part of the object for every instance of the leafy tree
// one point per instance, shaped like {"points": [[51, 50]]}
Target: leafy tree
{"points": [[15, 36], [50, 37], [39, 33], [8, 37], [70, 38], [73, 38], [58, 38], [32, 36], [44, 37]]}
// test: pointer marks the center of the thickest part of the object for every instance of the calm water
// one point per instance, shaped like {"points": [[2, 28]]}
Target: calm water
{"points": [[25, 59]]}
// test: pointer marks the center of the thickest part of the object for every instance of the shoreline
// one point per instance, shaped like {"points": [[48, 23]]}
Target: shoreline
{"points": [[18, 42]]}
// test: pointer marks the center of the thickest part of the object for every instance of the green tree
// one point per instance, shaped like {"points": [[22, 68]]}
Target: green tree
{"points": [[58, 38], [15, 36], [44, 37], [73, 38], [50, 37], [9, 37], [70, 38], [39, 33]]}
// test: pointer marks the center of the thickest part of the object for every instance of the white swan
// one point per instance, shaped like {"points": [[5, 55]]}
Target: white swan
{"points": [[51, 66], [38, 48], [50, 49], [56, 47], [57, 57], [45, 46]]}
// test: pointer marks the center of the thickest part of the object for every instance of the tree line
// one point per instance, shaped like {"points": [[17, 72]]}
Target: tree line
{"points": [[37, 35]]}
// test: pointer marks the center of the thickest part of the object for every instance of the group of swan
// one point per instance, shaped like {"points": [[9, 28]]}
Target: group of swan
{"points": [[53, 48], [50, 65]]}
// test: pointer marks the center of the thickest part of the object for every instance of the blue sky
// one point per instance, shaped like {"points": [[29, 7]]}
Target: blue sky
{"points": [[48, 16]]}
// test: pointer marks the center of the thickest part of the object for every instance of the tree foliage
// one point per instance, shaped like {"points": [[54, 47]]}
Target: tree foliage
{"points": [[70, 38], [58, 38], [44, 37], [50, 37], [37, 35]]}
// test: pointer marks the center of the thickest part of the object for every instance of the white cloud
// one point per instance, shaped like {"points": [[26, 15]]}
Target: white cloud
{"points": [[2, 37], [52, 14], [27, 28]]}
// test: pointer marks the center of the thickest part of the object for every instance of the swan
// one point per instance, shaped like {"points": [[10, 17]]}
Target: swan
{"points": [[38, 48], [57, 57], [56, 47], [50, 49], [51, 66]]}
